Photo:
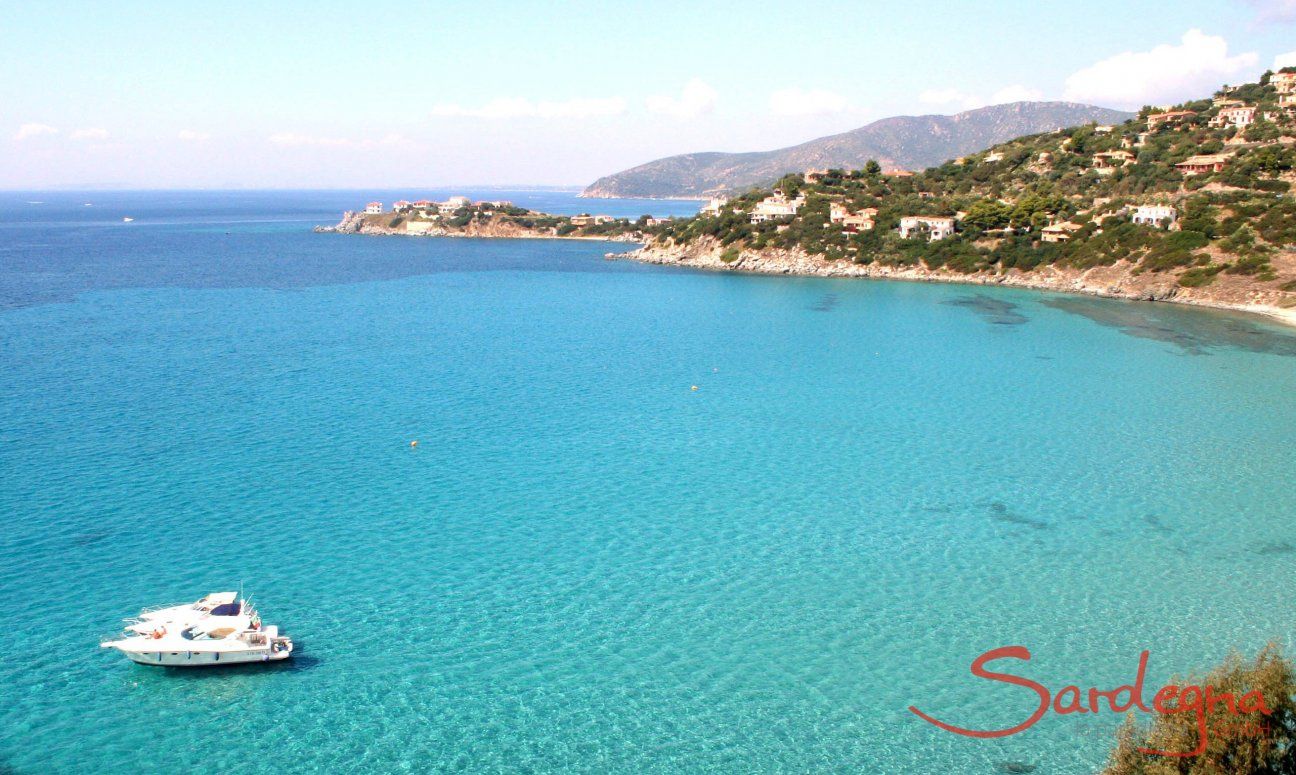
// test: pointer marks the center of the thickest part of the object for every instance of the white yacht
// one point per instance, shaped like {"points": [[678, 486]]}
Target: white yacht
{"points": [[219, 629]]}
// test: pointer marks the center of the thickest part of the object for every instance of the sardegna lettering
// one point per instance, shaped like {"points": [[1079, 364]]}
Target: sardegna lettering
{"points": [[1169, 699]]}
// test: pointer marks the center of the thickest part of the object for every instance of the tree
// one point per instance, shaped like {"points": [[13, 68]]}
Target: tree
{"points": [[872, 167], [1250, 743], [988, 214]]}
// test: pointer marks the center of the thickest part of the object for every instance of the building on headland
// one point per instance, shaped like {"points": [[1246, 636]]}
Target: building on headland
{"points": [[1170, 117], [898, 174], [1239, 116], [1059, 232], [993, 157], [937, 227], [1283, 83], [1106, 163], [591, 220], [373, 208], [1287, 101], [1202, 164], [453, 204], [776, 206], [495, 204], [1155, 215], [713, 206], [1103, 129], [650, 222], [400, 206]]}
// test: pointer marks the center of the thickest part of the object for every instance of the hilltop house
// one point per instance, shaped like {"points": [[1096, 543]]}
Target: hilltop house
{"points": [[1284, 83], [898, 174], [993, 157], [651, 221], [776, 206], [400, 205], [1155, 215], [1106, 163], [373, 208], [937, 227], [712, 207], [1059, 232], [1239, 116], [1202, 164], [1170, 117]]}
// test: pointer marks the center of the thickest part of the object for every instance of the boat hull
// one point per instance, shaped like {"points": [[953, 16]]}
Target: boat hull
{"points": [[206, 658]]}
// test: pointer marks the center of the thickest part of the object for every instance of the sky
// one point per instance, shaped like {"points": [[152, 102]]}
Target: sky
{"points": [[355, 95]]}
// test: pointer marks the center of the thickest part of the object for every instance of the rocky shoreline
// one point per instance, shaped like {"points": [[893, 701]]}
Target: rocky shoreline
{"points": [[494, 228], [1117, 281]]}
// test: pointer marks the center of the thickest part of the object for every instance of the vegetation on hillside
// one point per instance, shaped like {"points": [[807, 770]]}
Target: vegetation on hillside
{"points": [[1229, 221]]}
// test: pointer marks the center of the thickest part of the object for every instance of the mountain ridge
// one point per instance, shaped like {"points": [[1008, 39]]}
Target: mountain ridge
{"points": [[896, 142]]}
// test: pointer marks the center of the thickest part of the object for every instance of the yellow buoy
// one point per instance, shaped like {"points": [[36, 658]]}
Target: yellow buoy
{"points": [[414, 443], [695, 387]]}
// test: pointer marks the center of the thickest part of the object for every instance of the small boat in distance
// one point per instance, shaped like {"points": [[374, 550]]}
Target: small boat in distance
{"points": [[219, 629], [127, 220]]}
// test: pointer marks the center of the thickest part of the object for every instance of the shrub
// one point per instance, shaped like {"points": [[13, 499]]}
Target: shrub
{"points": [[1199, 276], [1243, 744]]}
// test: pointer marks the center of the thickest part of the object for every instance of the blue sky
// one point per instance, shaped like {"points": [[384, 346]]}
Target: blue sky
{"points": [[380, 94]]}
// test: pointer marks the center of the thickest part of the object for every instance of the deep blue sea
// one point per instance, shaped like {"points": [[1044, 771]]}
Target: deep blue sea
{"points": [[586, 565]]}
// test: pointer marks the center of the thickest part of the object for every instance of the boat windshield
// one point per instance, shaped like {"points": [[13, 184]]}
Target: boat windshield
{"points": [[227, 609]]}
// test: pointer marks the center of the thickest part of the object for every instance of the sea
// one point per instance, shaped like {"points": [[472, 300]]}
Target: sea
{"points": [[656, 521]]}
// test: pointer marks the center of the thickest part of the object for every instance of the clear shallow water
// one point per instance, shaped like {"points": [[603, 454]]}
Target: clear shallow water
{"points": [[586, 565]]}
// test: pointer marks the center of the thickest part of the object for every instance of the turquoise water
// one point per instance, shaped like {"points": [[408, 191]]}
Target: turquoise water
{"points": [[586, 565]]}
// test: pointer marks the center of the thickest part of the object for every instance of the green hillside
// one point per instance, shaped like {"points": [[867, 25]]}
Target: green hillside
{"points": [[1066, 198]]}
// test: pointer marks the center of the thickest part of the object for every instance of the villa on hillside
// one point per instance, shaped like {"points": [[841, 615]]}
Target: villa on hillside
{"points": [[776, 206], [1284, 83], [373, 208], [898, 174], [1238, 116], [1155, 215], [1170, 117], [1106, 163], [651, 222], [1059, 232], [937, 227], [852, 223], [712, 207], [1202, 164], [400, 205]]}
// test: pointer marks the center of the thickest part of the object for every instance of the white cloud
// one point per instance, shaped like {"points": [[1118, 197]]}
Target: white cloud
{"points": [[1166, 74], [189, 134], [92, 133], [520, 107], [695, 99], [806, 102], [1274, 10], [1285, 60], [1015, 93], [27, 131], [295, 140], [949, 97]]}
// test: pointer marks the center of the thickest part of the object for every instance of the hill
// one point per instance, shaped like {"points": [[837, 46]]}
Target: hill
{"points": [[900, 142], [1193, 204]]}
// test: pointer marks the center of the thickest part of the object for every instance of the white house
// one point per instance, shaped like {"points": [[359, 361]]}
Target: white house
{"points": [[712, 208], [373, 208], [1239, 116], [452, 204], [1155, 215], [1284, 83], [776, 206], [937, 227], [400, 205]]}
